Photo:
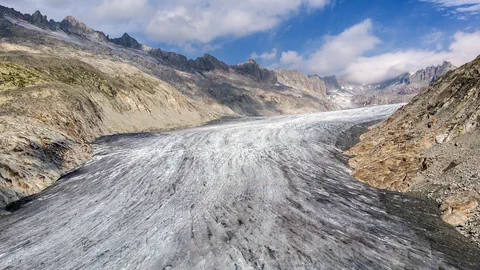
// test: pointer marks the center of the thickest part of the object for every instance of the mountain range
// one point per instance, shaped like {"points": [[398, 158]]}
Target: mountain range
{"points": [[396, 90], [399, 89]]}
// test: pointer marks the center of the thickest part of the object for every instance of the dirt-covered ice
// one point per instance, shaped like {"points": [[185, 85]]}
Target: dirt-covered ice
{"points": [[265, 193]]}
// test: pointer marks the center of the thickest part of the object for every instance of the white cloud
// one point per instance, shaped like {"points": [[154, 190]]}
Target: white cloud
{"points": [[463, 49], [336, 52], [182, 21], [435, 38], [201, 48], [268, 56], [291, 59], [122, 9], [339, 51], [381, 67], [345, 55], [462, 6]]}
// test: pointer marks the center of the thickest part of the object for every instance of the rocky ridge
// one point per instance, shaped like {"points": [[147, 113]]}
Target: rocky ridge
{"points": [[127, 41], [431, 147], [400, 89], [298, 80], [432, 73], [69, 24]]}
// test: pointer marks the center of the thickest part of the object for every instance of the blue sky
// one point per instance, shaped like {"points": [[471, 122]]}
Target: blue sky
{"points": [[366, 40]]}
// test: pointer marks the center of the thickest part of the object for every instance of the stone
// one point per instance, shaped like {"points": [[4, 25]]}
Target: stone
{"points": [[455, 218], [458, 209], [441, 138]]}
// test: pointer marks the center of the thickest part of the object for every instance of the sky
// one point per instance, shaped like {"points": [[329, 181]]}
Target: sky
{"points": [[365, 40]]}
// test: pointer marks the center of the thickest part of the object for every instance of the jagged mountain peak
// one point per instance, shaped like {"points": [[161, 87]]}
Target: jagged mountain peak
{"points": [[73, 26], [255, 71], [39, 19], [447, 63], [72, 20], [208, 63], [432, 73], [127, 41], [37, 13]]}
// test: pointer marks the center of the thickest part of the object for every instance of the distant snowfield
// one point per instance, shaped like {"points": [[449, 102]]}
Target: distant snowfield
{"points": [[266, 193]]}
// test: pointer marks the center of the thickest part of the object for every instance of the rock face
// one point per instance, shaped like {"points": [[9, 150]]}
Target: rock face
{"points": [[459, 208], [447, 109], [39, 20], [63, 85], [208, 63], [431, 146], [432, 73], [171, 59], [331, 83], [73, 26], [296, 79], [256, 72], [70, 24], [127, 41]]}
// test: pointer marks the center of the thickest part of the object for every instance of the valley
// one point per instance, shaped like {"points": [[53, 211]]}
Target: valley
{"points": [[118, 155], [261, 193]]}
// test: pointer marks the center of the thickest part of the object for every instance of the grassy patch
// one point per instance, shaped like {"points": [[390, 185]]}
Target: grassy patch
{"points": [[20, 71]]}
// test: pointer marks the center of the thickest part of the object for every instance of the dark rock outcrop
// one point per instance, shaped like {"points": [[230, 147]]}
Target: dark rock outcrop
{"points": [[171, 59], [5, 11], [39, 20], [127, 41], [256, 72], [208, 63]]}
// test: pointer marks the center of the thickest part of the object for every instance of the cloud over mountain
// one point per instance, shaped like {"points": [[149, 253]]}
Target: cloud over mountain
{"points": [[346, 54], [176, 22], [358, 47]]}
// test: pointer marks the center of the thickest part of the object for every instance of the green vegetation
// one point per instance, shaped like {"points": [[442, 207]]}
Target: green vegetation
{"points": [[20, 71], [16, 76]]}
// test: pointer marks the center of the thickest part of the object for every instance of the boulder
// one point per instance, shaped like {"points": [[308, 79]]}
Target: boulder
{"points": [[441, 138]]}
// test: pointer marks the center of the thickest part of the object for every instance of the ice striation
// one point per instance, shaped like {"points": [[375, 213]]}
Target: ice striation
{"points": [[261, 193]]}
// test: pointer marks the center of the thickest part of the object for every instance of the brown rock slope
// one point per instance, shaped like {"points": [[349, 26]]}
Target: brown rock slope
{"points": [[431, 147]]}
